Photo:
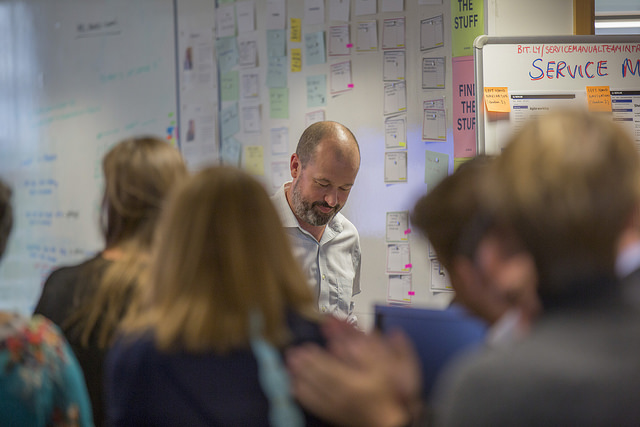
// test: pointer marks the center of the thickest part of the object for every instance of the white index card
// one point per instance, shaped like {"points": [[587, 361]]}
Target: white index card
{"points": [[367, 36], [339, 43], [399, 289], [313, 12], [440, 280], [398, 258], [226, 21], [395, 132], [279, 174], [341, 77], [431, 33], [392, 5], [395, 166], [251, 119], [395, 97], [398, 226], [279, 140], [393, 65], [393, 33], [366, 7], [276, 15], [246, 16], [433, 76], [339, 10], [434, 125]]}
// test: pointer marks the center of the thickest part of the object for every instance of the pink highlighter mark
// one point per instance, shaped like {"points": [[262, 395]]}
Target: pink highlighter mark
{"points": [[407, 231], [412, 293], [350, 45], [350, 85], [407, 266]]}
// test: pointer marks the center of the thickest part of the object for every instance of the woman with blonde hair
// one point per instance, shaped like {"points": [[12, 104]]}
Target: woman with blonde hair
{"points": [[225, 298], [89, 300]]}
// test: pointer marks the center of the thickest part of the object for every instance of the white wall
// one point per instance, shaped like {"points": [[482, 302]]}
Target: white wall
{"points": [[529, 18]]}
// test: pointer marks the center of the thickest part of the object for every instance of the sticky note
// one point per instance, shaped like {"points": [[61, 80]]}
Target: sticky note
{"points": [[497, 99], [407, 231], [412, 293], [296, 30], [599, 98], [408, 266], [296, 60]]}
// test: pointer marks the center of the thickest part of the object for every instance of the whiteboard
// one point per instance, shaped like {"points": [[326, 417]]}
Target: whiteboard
{"points": [[547, 73], [77, 77]]}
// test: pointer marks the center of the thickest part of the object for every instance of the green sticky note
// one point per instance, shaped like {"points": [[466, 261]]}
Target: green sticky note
{"points": [[279, 103], [316, 91], [436, 168], [229, 86]]}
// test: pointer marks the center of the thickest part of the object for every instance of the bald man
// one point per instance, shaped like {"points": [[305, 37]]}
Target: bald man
{"points": [[327, 245]]}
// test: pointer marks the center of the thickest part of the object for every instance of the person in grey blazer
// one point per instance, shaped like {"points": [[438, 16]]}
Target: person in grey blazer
{"points": [[566, 186]]}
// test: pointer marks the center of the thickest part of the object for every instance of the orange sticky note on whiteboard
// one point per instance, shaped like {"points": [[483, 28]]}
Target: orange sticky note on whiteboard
{"points": [[497, 99], [599, 98]]}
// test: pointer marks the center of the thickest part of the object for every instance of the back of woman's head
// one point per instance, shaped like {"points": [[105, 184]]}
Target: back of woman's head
{"points": [[222, 255], [138, 174]]}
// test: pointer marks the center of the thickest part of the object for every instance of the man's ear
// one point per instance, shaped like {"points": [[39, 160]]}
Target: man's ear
{"points": [[295, 166]]}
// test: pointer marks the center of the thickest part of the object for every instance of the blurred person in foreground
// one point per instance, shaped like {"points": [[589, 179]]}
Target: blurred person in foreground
{"points": [[225, 298], [41, 383], [88, 300], [565, 187]]}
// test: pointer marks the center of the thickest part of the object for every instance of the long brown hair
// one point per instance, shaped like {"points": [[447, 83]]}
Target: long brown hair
{"points": [[221, 255], [138, 174]]}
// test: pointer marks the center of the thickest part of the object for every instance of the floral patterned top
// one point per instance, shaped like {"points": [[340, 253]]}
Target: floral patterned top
{"points": [[41, 383]]}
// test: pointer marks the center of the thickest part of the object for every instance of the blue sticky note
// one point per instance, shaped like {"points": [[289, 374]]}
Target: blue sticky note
{"points": [[317, 91], [229, 121], [314, 48], [276, 43], [277, 72], [230, 151], [227, 53]]}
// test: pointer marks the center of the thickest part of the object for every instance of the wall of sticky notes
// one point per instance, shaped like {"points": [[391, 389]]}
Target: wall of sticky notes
{"points": [[521, 77], [383, 69], [77, 77]]}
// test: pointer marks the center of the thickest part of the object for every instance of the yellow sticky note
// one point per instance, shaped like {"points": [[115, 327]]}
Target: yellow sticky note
{"points": [[497, 99], [296, 30], [254, 159], [296, 60], [599, 98], [459, 161]]}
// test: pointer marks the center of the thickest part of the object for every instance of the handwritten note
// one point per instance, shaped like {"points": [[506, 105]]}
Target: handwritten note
{"points": [[279, 103], [296, 60], [254, 159], [317, 91], [314, 48], [599, 98], [497, 99], [296, 30]]}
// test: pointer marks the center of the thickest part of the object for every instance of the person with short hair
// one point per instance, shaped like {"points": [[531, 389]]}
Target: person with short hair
{"points": [[564, 187], [326, 244], [225, 297]]}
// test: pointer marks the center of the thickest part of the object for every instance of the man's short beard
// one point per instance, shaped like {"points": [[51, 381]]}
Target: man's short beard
{"points": [[305, 211]]}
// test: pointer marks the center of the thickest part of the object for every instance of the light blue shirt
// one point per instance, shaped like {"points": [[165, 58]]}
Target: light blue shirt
{"points": [[332, 265]]}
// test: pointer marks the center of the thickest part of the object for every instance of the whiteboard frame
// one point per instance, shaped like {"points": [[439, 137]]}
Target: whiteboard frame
{"points": [[483, 40]]}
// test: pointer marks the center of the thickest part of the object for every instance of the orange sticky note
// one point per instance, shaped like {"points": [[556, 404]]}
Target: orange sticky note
{"points": [[599, 98], [497, 99]]}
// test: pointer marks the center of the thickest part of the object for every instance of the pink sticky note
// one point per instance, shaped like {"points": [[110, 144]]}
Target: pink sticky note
{"points": [[407, 266], [411, 293], [350, 85], [350, 45], [407, 231]]}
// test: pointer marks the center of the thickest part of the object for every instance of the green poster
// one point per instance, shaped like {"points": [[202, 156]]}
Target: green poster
{"points": [[467, 23]]}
